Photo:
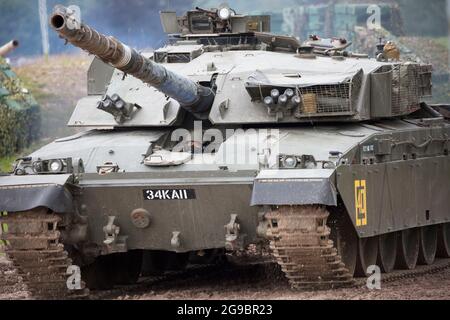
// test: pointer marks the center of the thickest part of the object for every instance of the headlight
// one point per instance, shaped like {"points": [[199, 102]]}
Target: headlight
{"points": [[297, 162], [224, 13], [55, 166], [26, 166], [289, 162]]}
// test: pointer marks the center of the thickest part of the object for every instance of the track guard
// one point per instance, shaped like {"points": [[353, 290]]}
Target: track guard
{"points": [[395, 196], [23, 193], [295, 187]]}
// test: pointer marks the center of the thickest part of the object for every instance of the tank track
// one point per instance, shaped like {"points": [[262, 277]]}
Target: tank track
{"points": [[34, 248], [398, 275], [300, 242]]}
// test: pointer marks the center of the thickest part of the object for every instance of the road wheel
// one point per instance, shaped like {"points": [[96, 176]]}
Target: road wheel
{"points": [[443, 249], [408, 249], [387, 251], [428, 245], [367, 255]]}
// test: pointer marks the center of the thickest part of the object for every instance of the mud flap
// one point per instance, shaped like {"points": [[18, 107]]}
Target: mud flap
{"points": [[295, 187], [23, 193]]}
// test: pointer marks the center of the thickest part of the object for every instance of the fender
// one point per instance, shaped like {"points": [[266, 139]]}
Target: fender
{"points": [[295, 187], [23, 193], [395, 196]]}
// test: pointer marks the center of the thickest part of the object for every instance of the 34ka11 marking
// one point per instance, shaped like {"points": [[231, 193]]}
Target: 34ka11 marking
{"points": [[361, 202], [169, 194]]}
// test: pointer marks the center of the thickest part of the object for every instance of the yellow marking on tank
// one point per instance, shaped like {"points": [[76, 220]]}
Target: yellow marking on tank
{"points": [[361, 202]]}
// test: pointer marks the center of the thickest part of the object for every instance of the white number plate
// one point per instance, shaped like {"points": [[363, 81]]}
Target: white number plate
{"points": [[169, 194]]}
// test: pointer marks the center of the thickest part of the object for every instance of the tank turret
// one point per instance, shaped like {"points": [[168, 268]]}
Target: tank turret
{"points": [[8, 48], [193, 97]]}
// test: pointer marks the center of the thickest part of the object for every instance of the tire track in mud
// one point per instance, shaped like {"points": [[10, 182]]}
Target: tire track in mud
{"points": [[266, 281], [259, 280]]}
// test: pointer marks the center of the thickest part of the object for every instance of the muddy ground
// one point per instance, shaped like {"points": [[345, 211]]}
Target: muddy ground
{"points": [[433, 286], [252, 283], [13, 288]]}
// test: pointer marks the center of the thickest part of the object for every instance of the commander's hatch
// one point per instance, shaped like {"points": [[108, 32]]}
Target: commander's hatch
{"points": [[148, 107]]}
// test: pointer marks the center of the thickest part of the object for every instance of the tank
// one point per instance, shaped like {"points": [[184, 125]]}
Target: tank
{"points": [[19, 111], [231, 137]]}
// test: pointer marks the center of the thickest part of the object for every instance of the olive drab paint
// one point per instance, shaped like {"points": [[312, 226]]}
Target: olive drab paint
{"points": [[354, 139]]}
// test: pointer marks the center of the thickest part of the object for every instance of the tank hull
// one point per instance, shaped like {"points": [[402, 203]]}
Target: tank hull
{"points": [[200, 221], [402, 187], [392, 178]]}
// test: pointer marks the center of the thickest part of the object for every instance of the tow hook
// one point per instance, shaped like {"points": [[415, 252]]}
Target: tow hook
{"points": [[233, 238], [175, 241], [114, 243], [263, 225]]}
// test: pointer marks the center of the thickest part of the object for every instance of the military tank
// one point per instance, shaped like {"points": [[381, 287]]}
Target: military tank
{"points": [[19, 111], [230, 136]]}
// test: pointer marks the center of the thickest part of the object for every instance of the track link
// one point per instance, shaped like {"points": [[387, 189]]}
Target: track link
{"points": [[300, 243], [33, 247], [398, 275]]}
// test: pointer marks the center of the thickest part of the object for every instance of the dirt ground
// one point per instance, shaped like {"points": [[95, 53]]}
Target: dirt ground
{"points": [[435, 287], [13, 289], [429, 287], [232, 284]]}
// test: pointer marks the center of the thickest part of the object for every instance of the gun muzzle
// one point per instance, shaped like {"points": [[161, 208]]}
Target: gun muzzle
{"points": [[7, 48], [191, 96]]}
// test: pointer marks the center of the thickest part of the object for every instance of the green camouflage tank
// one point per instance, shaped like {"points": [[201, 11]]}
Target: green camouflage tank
{"points": [[19, 113], [232, 141]]}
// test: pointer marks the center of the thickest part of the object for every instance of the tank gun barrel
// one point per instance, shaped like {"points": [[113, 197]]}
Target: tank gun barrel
{"points": [[193, 97], [8, 48]]}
